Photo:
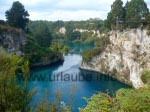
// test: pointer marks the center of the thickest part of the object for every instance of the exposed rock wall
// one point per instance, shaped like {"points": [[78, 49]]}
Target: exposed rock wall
{"points": [[95, 33], [12, 40], [125, 58]]}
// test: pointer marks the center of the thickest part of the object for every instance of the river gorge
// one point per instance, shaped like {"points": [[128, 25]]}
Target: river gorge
{"points": [[70, 81]]}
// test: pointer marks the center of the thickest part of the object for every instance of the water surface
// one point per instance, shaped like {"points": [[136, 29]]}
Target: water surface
{"points": [[67, 77]]}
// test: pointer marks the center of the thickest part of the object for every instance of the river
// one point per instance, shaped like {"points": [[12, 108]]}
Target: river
{"points": [[67, 78]]}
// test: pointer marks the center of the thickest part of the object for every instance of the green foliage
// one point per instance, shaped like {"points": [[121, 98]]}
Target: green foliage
{"points": [[55, 106], [8, 29], [89, 54], [147, 23], [70, 34], [59, 47], [132, 15], [117, 12], [39, 39], [41, 33], [132, 100], [146, 76], [17, 15], [35, 53], [100, 44], [14, 97], [126, 100], [100, 103], [136, 10]]}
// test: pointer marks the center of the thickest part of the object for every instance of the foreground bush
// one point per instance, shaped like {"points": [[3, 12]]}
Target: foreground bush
{"points": [[14, 97], [126, 100], [146, 76]]}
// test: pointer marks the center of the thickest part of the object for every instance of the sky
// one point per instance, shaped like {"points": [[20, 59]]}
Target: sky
{"points": [[65, 10]]}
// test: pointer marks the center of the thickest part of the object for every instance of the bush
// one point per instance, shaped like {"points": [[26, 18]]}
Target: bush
{"points": [[126, 100], [87, 55], [146, 76], [100, 103], [100, 46], [14, 97], [134, 100]]}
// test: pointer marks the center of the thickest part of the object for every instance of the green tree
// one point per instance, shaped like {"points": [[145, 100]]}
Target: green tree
{"points": [[69, 31], [147, 23], [43, 36], [136, 10], [117, 13], [17, 16]]}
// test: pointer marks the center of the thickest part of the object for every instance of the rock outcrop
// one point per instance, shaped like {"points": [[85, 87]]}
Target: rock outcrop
{"points": [[125, 58], [94, 33], [12, 39]]}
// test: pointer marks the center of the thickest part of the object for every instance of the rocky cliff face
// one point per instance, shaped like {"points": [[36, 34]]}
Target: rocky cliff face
{"points": [[125, 58], [12, 39], [95, 33]]}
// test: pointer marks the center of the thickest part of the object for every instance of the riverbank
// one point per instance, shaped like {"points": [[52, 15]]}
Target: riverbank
{"points": [[90, 69]]}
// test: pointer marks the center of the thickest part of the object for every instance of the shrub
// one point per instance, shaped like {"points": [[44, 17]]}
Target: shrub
{"points": [[146, 76], [126, 100], [100, 46]]}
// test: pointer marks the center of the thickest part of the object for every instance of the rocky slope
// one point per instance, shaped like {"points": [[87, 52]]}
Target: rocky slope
{"points": [[12, 39], [125, 58]]}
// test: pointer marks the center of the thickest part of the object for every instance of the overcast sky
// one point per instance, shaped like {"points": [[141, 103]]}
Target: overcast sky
{"points": [[53, 10]]}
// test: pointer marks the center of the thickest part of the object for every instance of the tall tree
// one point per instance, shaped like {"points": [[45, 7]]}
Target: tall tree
{"points": [[136, 10], [17, 16], [43, 35], [117, 12]]}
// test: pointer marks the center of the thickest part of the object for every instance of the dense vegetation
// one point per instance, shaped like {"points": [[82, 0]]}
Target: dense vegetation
{"points": [[132, 15], [100, 44], [70, 26], [13, 96], [125, 100]]}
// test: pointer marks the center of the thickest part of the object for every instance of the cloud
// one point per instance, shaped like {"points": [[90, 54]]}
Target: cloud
{"points": [[63, 9], [68, 15]]}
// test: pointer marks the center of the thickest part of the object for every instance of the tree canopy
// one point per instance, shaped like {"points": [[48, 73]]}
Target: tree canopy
{"points": [[17, 16], [136, 10], [131, 15], [117, 12]]}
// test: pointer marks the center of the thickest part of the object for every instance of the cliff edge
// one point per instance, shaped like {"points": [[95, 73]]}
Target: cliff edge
{"points": [[12, 39], [125, 58]]}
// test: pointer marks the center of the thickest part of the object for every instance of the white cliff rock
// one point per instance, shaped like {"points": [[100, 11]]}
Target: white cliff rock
{"points": [[95, 33], [125, 58], [62, 30]]}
